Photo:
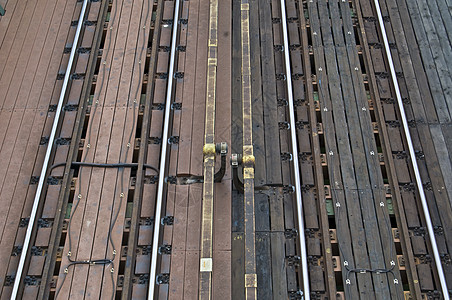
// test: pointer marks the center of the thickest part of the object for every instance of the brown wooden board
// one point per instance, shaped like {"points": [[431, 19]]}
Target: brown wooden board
{"points": [[431, 51], [168, 10], [195, 194], [391, 138], [434, 50], [126, 104], [6, 19], [236, 128], [237, 226], [257, 96], [10, 51], [73, 103], [278, 265], [143, 205], [177, 203], [335, 171], [318, 159], [23, 160], [379, 215], [177, 196], [425, 277], [405, 44], [221, 278], [189, 87], [22, 79], [269, 96], [261, 214], [98, 114], [264, 270], [237, 247], [9, 98]]}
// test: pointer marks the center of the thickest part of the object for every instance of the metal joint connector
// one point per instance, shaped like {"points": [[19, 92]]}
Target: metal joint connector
{"points": [[209, 150], [236, 159], [248, 161], [221, 148], [250, 280]]}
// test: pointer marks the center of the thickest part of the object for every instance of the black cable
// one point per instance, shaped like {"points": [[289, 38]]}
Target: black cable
{"points": [[100, 165]]}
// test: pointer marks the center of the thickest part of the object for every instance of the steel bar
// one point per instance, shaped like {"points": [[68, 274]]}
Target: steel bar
{"points": [[158, 204], [296, 167]]}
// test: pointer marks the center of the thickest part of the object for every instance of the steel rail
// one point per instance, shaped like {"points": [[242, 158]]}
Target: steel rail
{"points": [[158, 206], [431, 233], [296, 166], [45, 164]]}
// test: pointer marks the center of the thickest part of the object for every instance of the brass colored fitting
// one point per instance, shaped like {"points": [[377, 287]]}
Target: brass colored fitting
{"points": [[248, 173], [251, 280], [248, 160], [208, 150]]}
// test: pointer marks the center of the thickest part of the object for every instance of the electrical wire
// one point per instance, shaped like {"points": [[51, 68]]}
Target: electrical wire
{"points": [[100, 165]]}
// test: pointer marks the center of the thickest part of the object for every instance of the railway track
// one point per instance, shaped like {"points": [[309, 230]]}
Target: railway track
{"points": [[118, 164], [319, 122], [335, 189]]}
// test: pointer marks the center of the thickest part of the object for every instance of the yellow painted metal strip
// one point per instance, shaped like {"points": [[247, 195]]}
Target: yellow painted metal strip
{"points": [[250, 280], [206, 261]]}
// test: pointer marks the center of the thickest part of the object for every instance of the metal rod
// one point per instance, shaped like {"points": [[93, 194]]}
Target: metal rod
{"points": [[296, 167], [45, 165], [431, 233], [158, 206]]}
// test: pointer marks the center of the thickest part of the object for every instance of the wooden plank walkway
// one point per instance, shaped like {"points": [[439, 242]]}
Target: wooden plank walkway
{"points": [[365, 231], [96, 222], [430, 25], [423, 98], [344, 188], [426, 113], [28, 82], [183, 201]]}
